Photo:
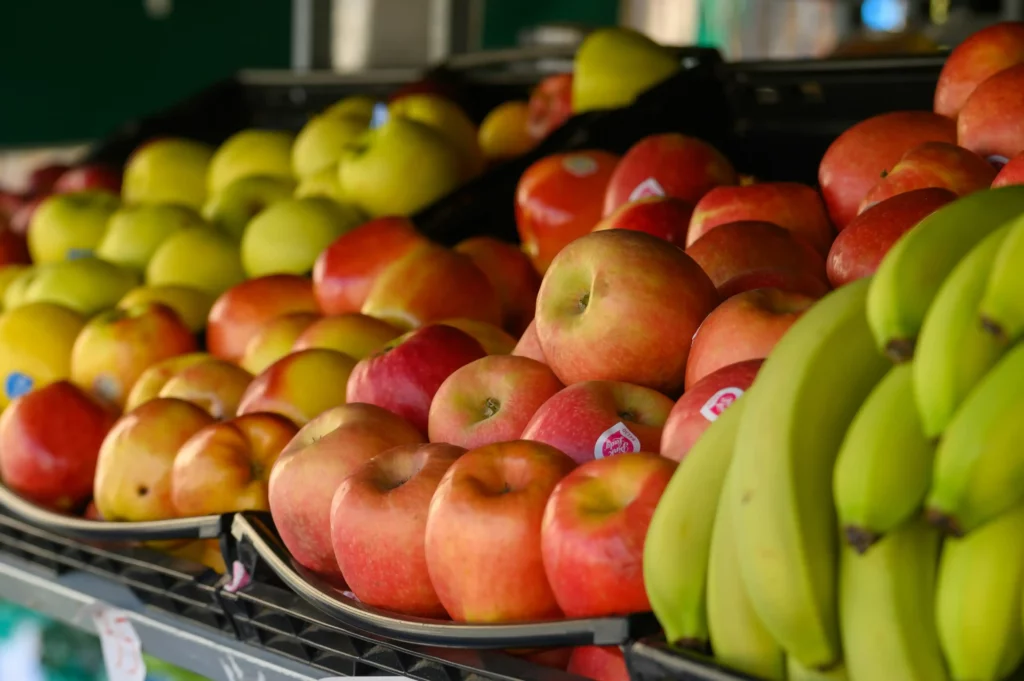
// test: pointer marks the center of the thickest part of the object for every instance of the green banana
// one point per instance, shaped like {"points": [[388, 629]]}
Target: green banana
{"points": [[953, 350], [978, 600], [884, 466], [913, 270], [797, 672], [979, 465], [887, 607], [678, 538], [738, 637], [796, 413], [1002, 306]]}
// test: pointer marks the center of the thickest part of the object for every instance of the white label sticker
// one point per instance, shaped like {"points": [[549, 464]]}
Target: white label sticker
{"points": [[579, 165], [719, 402], [122, 650], [649, 187], [616, 440]]}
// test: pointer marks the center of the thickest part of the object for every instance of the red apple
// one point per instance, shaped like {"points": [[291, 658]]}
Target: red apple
{"points": [[92, 176], [989, 124], [702, 404], [379, 527], [9, 204], [550, 105], [404, 376], [785, 280], [983, 54], [559, 199], [1011, 173], [790, 205], [746, 326], [483, 533], [529, 344], [41, 180], [22, 218], [13, 247], [600, 663], [856, 159], [859, 249], [490, 400], [307, 473], [665, 217], [599, 419], [511, 274], [49, 442], [668, 164], [622, 306]]}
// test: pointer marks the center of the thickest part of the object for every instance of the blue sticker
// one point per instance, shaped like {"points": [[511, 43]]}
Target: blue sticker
{"points": [[379, 116], [79, 253], [17, 384]]}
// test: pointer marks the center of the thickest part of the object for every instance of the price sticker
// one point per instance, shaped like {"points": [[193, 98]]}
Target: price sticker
{"points": [[122, 650]]}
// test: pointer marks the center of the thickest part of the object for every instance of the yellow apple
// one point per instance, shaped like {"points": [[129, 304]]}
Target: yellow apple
{"points": [[86, 285], [323, 183], [153, 379], [359, 106], [318, 145], [503, 133], [8, 275], [231, 209], [191, 304], [614, 65], [275, 340], [448, 118], [250, 152], [69, 226], [201, 258], [35, 347], [169, 170], [135, 232], [357, 335]]}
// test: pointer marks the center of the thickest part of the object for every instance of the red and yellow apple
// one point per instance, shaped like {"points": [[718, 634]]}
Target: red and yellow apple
{"points": [[300, 385], [512, 276], [980, 56], [933, 164], [529, 345], [352, 333], [989, 122], [1011, 173], [491, 338], [153, 379], [213, 384], [275, 339], [600, 663], [665, 217]]}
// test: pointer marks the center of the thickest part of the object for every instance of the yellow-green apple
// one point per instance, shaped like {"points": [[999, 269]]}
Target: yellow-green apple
{"points": [[492, 339], [153, 379], [86, 285], [354, 334], [35, 347], [665, 217], [668, 164], [529, 345], [600, 663], [323, 183], [250, 152], [598, 419], [308, 472], [346, 270], [69, 226], [300, 385], [225, 467], [275, 339], [17, 288], [238, 314], [988, 124], [447, 118], [503, 134], [550, 105], [133, 474], [211, 384], [8, 274], [135, 232], [746, 326], [49, 441], [88, 177], [320, 142], [856, 159], [592, 539], [1011, 173], [622, 306], [483, 533], [558, 199], [859, 249], [614, 65], [491, 399], [733, 254], [702, 404], [231, 208], [374, 170], [512, 275], [379, 518], [933, 164], [431, 283], [191, 304], [359, 106], [287, 236], [116, 346], [404, 375], [201, 258], [981, 55], [167, 170]]}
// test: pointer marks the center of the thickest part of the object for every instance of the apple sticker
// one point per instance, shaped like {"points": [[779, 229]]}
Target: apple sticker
{"points": [[579, 165], [616, 440], [17, 384], [647, 188], [719, 402]]}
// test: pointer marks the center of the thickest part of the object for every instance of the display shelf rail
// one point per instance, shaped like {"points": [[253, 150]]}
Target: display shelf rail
{"points": [[652, 659]]}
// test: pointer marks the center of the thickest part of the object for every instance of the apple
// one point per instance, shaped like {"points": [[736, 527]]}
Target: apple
{"points": [[558, 199], [858, 250], [86, 285], [512, 276], [614, 65], [275, 340], [250, 152], [49, 441], [35, 347], [592, 538], [21, 219], [359, 106], [550, 105], [619, 305], [201, 258], [300, 385], [665, 217], [133, 474], [91, 176], [8, 275], [134, 233], [148, 386], [191, 304], [1011, 173], [42, 179], [211, 384], [702, 404], [856, 159], [69, 226], [746, 326], [431, 283], [790, 205], [168, 170], [379, 517], [981, 55], [600, 663], [404, 375], [529, 345], [489, 400], [492, 339], [598, 419], [449, 120], [13, 247], [668, 164], [287, 236], [933, 164], [354, 334], [225, 467], [323, 183], [989, 121], [319, 144], [503, 133], [10, 203], [309, 470], [231, 209], [116, 346]]}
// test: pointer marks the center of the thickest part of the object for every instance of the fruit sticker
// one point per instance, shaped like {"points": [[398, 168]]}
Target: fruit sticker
{"points": [[719, 402], [579, 165], [17, 384], [122, 650], [79, 253], [616, 440], [647, 188]]}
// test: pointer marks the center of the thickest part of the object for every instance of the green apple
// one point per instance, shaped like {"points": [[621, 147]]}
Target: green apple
{"points": [[321, 183], [168, 170], [614, 65], [135, 232], [68, 226], [200, 258], [14, 292], [231, 209], [191, 304], [86, 285], [398, 168], [288, 236], [250, 152], [320, 142], [359, 106], [447, 118]]}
